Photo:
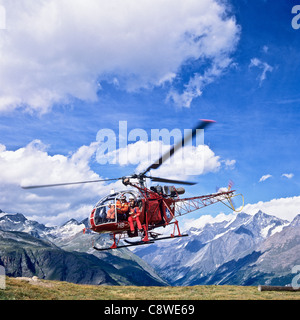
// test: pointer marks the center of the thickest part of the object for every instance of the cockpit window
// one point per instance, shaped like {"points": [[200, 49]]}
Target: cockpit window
{"points": [[105, 211], [110, 208]]}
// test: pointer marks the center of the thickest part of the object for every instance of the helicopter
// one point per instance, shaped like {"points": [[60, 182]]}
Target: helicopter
{"points": [[158, 206]]}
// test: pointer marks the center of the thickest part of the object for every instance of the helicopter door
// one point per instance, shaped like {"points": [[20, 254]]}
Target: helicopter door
{"points": [[100, 215], [154, 212], [168, 209], [105, 212]]}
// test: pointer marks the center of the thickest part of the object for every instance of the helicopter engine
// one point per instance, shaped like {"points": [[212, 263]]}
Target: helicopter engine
{"points": [[169, 191]]}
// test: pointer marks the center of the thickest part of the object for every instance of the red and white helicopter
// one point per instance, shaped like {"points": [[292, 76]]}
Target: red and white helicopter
{"points": [[159, 206]]}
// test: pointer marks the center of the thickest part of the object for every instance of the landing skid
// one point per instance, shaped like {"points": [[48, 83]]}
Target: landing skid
{"points": [[130, 244], [171, 237], [139, 243]]}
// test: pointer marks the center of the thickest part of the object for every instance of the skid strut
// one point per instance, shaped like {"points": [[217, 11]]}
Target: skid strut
{"points": [[139, 243]]}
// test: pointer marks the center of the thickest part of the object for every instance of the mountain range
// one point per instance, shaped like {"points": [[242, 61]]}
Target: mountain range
{"points": [[28, 248], [240, 250], [246, 250]]}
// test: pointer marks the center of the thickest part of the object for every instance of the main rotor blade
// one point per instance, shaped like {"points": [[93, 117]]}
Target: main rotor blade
{"points": [[200, 125], [156, 179], [66, 184]]}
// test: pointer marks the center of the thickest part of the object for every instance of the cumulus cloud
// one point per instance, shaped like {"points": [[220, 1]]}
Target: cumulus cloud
{"points": [[265, 177], [190, 160], [56, 50], [283, 208], [261, 65], [32, 165], [206, 219]]}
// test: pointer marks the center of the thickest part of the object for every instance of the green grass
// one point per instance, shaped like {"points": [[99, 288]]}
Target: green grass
{"points": [[55, 290]]}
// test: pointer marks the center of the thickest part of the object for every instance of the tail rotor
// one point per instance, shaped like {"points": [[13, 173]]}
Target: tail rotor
{"points": [[229, 197]]}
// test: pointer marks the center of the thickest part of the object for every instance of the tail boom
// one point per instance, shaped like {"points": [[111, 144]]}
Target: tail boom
{"points": [[187, 205]]}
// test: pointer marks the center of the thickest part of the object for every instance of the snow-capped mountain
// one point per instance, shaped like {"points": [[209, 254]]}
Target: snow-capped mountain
{"points": [[190, 260], [28, 248], [271, 263], [68, 230], [18, 222], [242, 250]]}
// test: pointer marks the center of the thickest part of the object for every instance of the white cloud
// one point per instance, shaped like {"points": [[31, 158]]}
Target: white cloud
{"points": [[229, 163], [265, 49], [32, 165], [283, 208], [206, 219], [188, 161], [196, 84], [265, 177], [54, 50], [262, 65], [288, 175]]}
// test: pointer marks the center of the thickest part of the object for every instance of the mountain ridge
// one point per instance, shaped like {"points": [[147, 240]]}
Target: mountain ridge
{"points": [[202, 257], [243, 250], [28, 248]]}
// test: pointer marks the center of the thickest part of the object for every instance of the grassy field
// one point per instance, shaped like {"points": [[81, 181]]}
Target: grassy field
{"points": [[17, 289]]}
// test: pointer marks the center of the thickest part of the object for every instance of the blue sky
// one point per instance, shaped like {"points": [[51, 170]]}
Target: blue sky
{"points": [[249, 84]]}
